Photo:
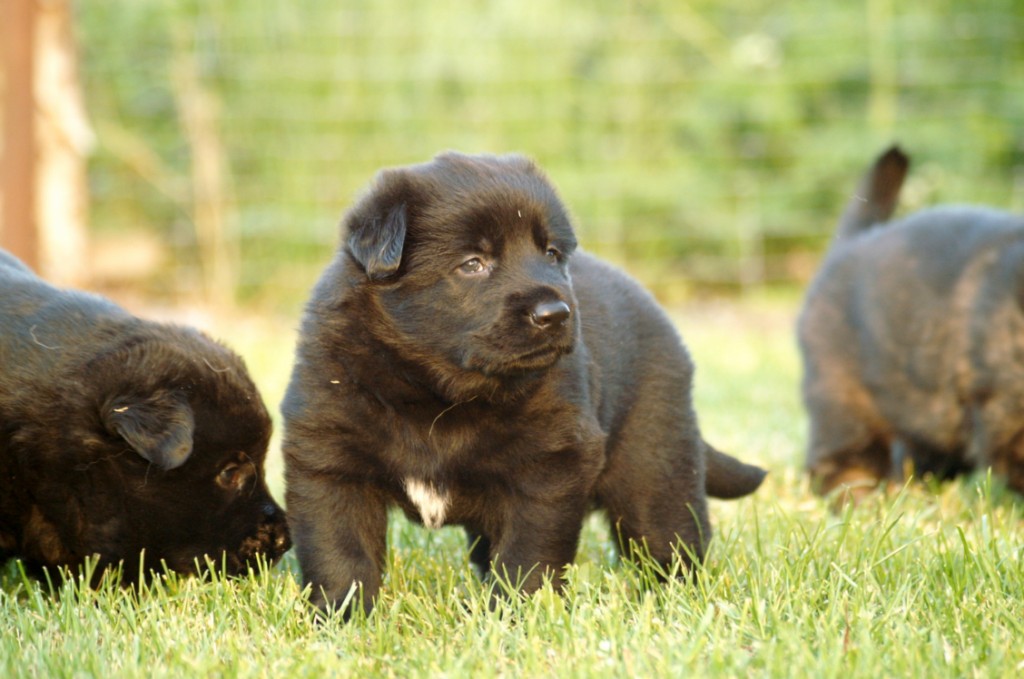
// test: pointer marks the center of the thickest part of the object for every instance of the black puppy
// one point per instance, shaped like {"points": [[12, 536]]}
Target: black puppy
{"points": [[459, 358], [119, 435], [913, 342]]}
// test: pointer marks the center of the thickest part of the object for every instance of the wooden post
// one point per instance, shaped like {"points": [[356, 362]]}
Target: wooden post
{"points": [[19, 231]]}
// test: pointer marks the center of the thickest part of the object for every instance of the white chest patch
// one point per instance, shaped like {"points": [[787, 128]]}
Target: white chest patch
{"points": [[431, 504]]}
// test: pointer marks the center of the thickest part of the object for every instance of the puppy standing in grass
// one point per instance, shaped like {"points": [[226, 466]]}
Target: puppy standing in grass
{"points": [[912, 337], [119, 435], [459, 358]]}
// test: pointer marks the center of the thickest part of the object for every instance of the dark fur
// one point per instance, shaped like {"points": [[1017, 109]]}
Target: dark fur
{"points": [[119, 435], [527, 395], [913, 342]]}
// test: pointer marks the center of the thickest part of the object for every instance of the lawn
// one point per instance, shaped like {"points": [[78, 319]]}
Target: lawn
{"points": [[919, 582]]}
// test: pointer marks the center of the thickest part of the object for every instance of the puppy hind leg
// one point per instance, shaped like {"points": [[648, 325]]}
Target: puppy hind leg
{"points": [[537, 543], [654, 488], [1008, 462], [931, 461], [667, 522], [479, 552]]}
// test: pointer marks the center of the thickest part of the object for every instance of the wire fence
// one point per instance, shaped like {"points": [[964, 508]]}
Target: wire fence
{"points": [[702, 144]]}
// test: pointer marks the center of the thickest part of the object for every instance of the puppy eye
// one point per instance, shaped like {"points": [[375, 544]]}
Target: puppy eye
{"points": [[554, 254], [473, 267], [231, 476]]}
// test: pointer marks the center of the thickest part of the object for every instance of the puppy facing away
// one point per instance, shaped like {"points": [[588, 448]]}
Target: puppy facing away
{"points": [[119, 435], [912, 338], [461, 359]]}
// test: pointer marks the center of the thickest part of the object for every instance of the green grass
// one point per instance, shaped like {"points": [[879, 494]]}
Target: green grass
{"points": [[918, 582]]}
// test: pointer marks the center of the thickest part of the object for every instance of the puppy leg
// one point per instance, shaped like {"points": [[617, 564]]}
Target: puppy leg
{"points": [[1008, 462], [849, 449], [537, 541], [479, 552], [658, 511], [653, 485], [938, 463], [995, 441], [340, 535]]}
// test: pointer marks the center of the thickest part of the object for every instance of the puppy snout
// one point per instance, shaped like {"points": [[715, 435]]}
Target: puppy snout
{"points": [[279, 539], [550, 314], [276, 536]]}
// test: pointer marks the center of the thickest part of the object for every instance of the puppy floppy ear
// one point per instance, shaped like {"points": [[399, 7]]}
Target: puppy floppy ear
{"points": [[376, 239], [160, 428]]}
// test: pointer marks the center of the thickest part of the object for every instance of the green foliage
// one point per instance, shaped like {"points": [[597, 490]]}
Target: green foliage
{"points": [[916, 582], [703, 143]]}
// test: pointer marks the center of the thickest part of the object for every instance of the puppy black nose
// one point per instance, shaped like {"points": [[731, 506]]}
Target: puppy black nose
{"points": [[549, 314]]}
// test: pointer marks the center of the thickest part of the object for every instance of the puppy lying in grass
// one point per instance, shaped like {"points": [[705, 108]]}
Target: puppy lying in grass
{"points": [[912, 337], [461, 359], [120, 436]]}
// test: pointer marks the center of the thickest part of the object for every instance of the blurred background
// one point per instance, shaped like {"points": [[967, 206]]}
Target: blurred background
{"points": [[188, 152]]}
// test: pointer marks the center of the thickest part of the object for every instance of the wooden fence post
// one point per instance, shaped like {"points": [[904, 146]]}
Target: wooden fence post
{"points": [[19, 230]]}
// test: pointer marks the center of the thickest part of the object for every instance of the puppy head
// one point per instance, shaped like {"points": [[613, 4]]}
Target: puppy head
{"points": [[168, 459], [467, 259]]}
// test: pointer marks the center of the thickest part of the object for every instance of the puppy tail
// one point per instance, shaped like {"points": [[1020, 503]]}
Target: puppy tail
{"points": [[726, 477], [876, 197]]}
